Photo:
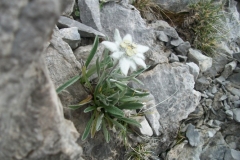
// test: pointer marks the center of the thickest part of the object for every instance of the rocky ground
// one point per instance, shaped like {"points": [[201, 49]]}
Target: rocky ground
{"points": [[194, 107]]}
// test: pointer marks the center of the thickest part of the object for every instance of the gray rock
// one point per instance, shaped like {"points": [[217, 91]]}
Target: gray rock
{"points": [[235, 78], [202, 61], [230, 131], [116, 16], [214, 89], [68, 4], [71, 36], [229, 113], [215, 148], [175, 6], [194, 69], [236, 56], [228, 69], [152, 115], [175, 101], [83, 52], [236, 104], [32, 121], [182, 58], [176, 42], [236, 114], [85, 31], [145, 130], [208, 102], [232, 154], [171, 32], [173, 58], [232, 89], [202, 84], [223, 97], [218, 63], [159, 25], [162, 36], [192, 135], [182, 49], [90, 13]]}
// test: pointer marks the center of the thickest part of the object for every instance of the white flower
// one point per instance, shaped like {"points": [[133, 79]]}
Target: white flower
{"points": [[128, 53]]}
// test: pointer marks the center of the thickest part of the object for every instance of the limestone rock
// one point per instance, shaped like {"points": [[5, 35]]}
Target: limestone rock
{"points": [[236, 114], [71, 36], [32, 122], [173, 58], [232, 154], [116, 16], [175, 101], [176, 42], [228, 69], [145, 128], [202, 61], [68, 4], [194, 69], [193, 136], [171, 32], [85, 31], [182, 49], [90, 13], [162, 36], [202, 84]]}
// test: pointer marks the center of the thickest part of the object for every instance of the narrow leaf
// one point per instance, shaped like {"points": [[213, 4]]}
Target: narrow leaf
{"points": [[131, 106], [114, 110], [68, 83], [93, 51], [88, 109], [105, 132], [75, 106], [87, 129], [131, 121], [119, 125], [98, 67]]}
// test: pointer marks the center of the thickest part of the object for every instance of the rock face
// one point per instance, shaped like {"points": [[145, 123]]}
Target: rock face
{"points": [[172, 87], [90, 13], [32, 125], [115, 16]]}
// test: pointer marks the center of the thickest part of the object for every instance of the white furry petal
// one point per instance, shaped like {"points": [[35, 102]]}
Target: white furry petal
{"points": [[139, 61], [116, 55], [128, 38], [117, 37], [140, 55], [124, 65], [111, 46], [133, 66], [142, 49]]}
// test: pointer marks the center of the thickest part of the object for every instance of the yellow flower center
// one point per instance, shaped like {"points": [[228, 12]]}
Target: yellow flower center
{"points": [[130, 48]]}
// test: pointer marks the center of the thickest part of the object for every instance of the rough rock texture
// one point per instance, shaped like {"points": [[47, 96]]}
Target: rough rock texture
{"points": [[71, 36], [114, 15], [90, 13], [69, 4], [85, 31], [172, 87], [31, 119], [175, 6], [201, 60]]}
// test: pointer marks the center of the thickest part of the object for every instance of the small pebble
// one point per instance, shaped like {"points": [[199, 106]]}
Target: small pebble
{"points": [[214, 90], [223, 98]]}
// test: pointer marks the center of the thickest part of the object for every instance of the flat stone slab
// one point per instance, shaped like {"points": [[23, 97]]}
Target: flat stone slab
{"points": [[85, 31]]}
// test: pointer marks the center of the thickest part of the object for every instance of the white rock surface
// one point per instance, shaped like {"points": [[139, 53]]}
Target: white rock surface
{"points": [[201, 60]]}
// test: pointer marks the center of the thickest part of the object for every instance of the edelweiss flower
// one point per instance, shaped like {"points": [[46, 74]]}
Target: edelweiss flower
{"points": [[128, 53]]}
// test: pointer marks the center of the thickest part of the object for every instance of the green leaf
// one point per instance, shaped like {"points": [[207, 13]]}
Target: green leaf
{"points": [[105, 132], [114, 110], [76, 106], [131, 106], [87, 129], [119, 125], [131, 121], [93, 51], [98, 67], [89, 109], [68, 83], [99, 122]]}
